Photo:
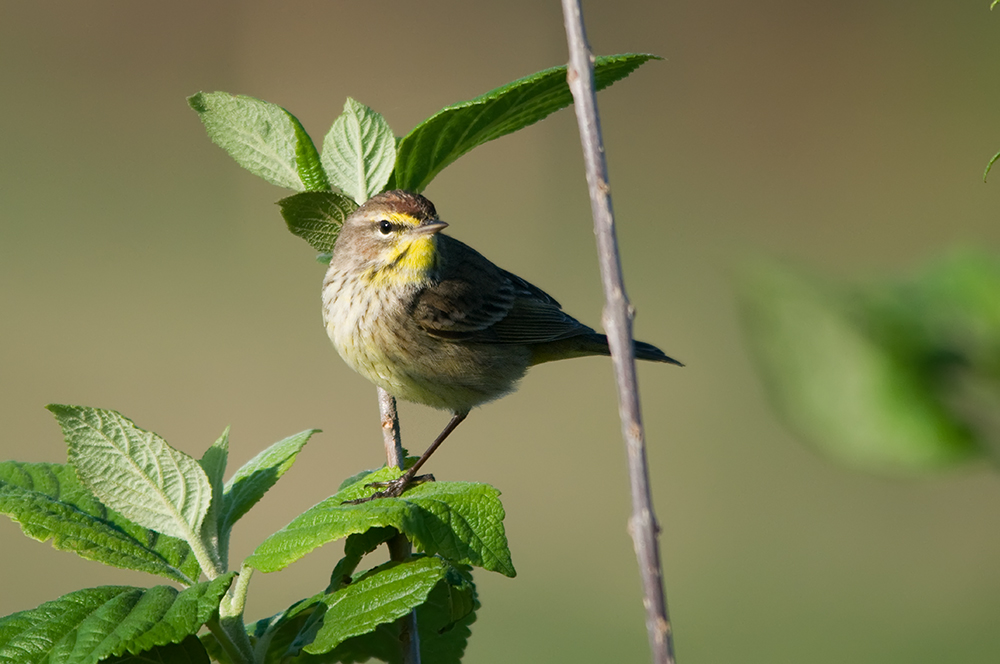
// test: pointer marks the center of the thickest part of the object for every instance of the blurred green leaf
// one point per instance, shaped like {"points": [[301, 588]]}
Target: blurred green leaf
{"points": [[847, 377], [461, 521], [263, 138], [135, 472], [95, 623], [359, 151], [317, 216], [955, 300], [49, 502], [989, 166], [457, 129]]}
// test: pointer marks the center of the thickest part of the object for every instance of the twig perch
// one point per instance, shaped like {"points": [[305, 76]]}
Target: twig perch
{"points": [[617, 321], [399, 546]]}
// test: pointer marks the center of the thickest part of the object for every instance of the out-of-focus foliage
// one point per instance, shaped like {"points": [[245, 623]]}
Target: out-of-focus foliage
{"points": [[900, 375]]}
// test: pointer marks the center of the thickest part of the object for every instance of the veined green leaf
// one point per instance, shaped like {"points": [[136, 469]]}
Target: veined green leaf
{"points": [[461, 521], [188, 651], [359, 151], [455, 130], [49, 502], [95, 623], [443, 620], [263, 138], [380, 596], [135, 472], [317, 216], [251, 482]]}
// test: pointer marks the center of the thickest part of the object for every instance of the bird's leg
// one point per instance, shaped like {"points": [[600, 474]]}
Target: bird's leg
{"points": [[396, 487]]}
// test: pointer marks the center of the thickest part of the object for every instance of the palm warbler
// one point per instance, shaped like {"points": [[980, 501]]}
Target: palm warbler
{"points": [[430, 320]]}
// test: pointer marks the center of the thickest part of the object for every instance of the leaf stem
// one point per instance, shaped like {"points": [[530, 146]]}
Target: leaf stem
{"points": [[617, 321], [206, 557], [230, 629]]}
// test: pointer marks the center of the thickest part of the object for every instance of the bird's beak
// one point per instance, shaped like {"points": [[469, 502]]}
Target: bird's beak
{"points": [[430, 227]]}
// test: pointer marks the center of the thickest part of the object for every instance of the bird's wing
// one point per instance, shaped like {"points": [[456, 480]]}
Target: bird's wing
{"points": [[475, 301]]}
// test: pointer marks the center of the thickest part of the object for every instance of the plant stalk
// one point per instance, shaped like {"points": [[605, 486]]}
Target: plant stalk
{"points": [[617, 322], [399, 547]]}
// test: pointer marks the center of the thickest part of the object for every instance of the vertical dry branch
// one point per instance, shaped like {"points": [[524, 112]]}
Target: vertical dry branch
{"points": [[617, 321], [399, 546]]}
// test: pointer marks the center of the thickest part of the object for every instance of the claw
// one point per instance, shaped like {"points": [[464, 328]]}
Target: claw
{"points": [[392, 488]]}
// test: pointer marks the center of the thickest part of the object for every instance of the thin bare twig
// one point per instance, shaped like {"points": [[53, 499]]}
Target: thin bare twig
{"points": [[399, 546], [617, 321]]}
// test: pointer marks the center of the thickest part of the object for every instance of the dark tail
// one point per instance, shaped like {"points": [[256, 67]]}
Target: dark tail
{"points": [[644, 351], [593, 343]]}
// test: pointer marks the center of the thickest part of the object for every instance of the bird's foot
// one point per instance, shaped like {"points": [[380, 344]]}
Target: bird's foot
{"points": [[391, 489]]}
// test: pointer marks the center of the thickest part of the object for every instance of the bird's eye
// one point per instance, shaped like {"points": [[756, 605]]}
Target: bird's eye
{"points": [[384, 227]]}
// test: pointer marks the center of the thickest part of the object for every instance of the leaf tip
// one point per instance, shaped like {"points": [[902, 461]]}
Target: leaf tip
{"points": [[197, 102]]}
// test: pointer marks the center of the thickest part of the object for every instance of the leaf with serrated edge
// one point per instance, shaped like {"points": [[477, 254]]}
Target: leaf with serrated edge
{"points": [[443, 620], [251, 482], [382, 595], [135, 472], [263, 138], [49, 502], [461, 521], [188, 651], [457, 129], [95, 623], [317, 216], [359, 151]]}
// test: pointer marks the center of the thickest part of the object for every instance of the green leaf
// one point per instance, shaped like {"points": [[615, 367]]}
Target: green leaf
{"points": [[455, 130], [355, 548], [282, 636], [135, 472], [249, 484], [263, 138], [359, 151], [954, 303], [188, 651], [461, 521], [443, 622], [316, 217], [49, 502], [443, 619], [382, 595], [95, 623], [213, 462], [989, 166], [842, 379]]}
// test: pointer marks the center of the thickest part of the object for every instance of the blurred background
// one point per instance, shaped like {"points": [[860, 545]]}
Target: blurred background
{"points": [[145, 272]]}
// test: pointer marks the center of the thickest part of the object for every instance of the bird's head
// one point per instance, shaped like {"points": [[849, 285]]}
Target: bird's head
{"points": [[391, 238]]}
